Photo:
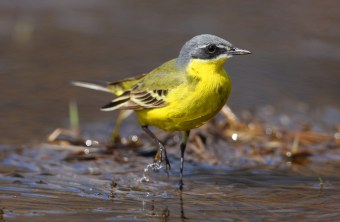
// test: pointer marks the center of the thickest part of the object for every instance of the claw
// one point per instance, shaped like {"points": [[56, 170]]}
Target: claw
{"points": [[167, 162], [161, 157]]}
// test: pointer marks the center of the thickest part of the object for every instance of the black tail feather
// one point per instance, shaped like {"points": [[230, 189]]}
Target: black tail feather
{"points": [[114, 104]]}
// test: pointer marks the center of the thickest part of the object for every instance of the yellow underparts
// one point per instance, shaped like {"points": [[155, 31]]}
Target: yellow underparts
{"points": [[194, 102]]}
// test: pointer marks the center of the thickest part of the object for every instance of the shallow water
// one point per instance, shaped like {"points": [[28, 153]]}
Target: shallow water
{"points": [[37, 184]]}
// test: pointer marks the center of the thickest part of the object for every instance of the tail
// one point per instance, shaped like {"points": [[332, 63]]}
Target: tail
{"points": [[118, 88], [94, 86]]}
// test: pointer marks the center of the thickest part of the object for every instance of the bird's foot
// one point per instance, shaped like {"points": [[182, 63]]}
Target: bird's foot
{"points": [[167, 162], [162, 158]]}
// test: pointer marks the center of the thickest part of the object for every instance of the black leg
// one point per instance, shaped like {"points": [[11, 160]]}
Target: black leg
{"points": [[183, 146], [161, 148]]}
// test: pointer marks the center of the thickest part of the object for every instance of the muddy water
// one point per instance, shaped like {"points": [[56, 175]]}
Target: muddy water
{"points": [[37, 184], [46, 44]]}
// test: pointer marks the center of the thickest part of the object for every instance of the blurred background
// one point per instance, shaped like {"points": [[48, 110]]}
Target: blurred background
{"points": [[44, 44]]}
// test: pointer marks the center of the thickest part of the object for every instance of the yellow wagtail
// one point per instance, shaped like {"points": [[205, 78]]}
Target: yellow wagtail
{"points": [[180, 95]]}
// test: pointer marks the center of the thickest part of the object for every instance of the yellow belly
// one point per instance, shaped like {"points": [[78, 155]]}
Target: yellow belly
{"points": [[192, 104]]}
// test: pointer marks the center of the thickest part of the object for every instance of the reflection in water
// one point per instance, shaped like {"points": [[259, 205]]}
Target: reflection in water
{"points": [[183, 217], [155, 206], [112, 194], [321, 186], [164, 213]]}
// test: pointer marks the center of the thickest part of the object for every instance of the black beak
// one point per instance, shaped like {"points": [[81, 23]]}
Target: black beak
{"points": [[236, 51]]}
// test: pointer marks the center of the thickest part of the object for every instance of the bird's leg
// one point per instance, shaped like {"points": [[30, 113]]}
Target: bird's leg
{"points": [[161, 153], [183, 146]]}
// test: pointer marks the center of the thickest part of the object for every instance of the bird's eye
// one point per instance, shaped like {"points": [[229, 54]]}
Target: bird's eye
{"points": [[211, 48]]}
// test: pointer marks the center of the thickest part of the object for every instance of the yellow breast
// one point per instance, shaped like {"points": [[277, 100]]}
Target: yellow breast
{"points": [[194, 102]]}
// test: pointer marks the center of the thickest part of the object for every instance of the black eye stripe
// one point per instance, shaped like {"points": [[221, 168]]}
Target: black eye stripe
{"points": [[210, 51]]}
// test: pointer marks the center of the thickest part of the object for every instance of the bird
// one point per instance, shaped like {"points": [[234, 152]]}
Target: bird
{"points": [[180, 95]]}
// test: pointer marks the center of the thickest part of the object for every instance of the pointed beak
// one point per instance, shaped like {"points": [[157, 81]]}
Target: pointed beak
{"points": [[237, 51]]}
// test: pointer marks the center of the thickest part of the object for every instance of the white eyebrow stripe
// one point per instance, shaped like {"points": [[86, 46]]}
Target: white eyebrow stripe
{"points": [[222, 46], [219, 46], [203, 46]]}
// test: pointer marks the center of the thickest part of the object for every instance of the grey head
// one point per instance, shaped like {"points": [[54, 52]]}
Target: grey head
{"points": [[207, 47]]}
